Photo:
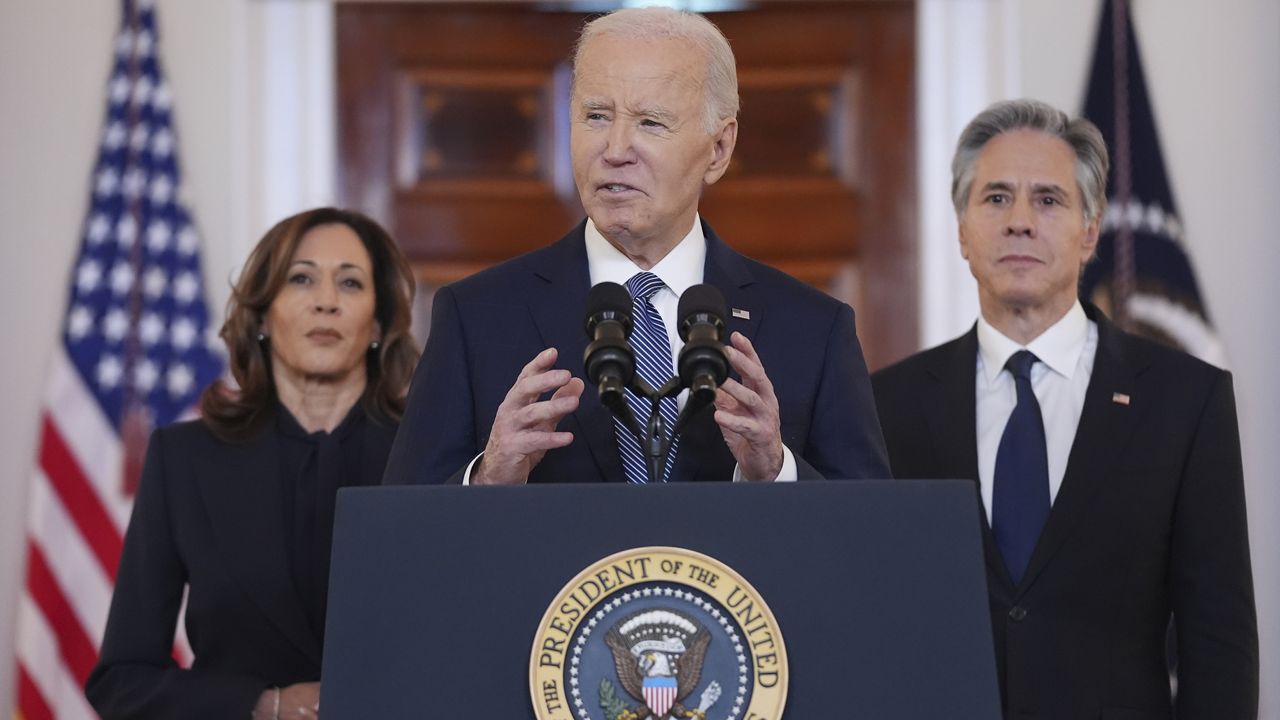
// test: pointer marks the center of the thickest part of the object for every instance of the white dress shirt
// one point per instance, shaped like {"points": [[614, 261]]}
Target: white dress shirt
{"points": [[679, 270], [1066, 351]]}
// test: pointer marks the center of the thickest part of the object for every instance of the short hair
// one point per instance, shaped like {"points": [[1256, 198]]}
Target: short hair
{"points": [[237, 415], [720, 91], [1079, 133]]}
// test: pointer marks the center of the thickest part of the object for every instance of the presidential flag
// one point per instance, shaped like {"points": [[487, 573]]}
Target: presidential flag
{"points": [[136, 351], [1142, 277]]}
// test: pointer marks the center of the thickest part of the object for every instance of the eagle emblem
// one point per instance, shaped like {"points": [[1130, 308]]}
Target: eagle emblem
{"points": [[658, 656]]}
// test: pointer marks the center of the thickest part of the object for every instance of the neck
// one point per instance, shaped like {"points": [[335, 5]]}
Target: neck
{"points": [[319, 403], [645, 254], [1024, 323]]}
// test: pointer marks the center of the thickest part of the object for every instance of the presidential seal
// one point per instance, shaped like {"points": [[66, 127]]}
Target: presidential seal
{"points": [[658, 633]]}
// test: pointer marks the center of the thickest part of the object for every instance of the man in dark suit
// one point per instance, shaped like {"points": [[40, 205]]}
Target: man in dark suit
{"points": [[653, 114], [1108, 466]]}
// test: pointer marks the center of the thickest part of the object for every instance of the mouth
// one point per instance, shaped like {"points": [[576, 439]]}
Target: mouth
{"points": [[616, 188], [324, 335], [1020, 260]]}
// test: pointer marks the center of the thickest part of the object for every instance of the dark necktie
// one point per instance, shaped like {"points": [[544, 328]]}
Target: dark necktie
{"points": [[1020, 496], [653, 363]]}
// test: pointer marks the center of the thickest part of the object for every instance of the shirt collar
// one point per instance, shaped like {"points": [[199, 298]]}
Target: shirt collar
{"points": [[679, 270], [1058, 347]]}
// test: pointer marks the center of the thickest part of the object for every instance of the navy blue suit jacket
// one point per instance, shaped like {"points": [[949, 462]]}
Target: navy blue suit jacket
{"points": [[485, 328]]}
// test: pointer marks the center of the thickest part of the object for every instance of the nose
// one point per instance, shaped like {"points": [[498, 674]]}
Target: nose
{"points": [[326, 298], [1021, 220], [619, 148]]}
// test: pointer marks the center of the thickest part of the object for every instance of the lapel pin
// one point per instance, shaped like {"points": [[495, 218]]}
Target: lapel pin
{"points": [[741, 314], [1120, 398]]}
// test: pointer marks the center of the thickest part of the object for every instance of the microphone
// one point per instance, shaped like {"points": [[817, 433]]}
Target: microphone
{"points": [[702, 363], [609, 361]]}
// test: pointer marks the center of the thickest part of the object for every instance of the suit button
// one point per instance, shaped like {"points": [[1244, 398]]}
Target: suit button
{"points": [[1017, 613]]}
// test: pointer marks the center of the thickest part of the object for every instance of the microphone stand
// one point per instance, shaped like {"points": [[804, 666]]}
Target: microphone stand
{"points": [[656, 442]]}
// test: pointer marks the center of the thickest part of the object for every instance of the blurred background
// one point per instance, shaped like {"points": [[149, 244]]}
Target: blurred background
{"points": [[445, 121]]}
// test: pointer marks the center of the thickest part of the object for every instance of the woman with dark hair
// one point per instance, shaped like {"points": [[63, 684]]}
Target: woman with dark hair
{"points": [[237, 508]]}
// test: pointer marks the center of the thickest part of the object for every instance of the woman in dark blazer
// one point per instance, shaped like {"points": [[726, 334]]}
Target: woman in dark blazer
{"points": [[236, 509]]}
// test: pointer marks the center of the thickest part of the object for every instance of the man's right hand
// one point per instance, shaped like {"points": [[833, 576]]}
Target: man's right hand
{"points": [[524, 428]]}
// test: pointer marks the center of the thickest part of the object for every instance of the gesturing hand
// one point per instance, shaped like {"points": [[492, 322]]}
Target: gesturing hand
{"points": [[524, 428], [293, 702], [747, 413]]}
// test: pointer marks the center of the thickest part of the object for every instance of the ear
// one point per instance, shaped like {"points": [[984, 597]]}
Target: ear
{"points": [[263, 326], [723, 142], [377, 331], [1089, 245], [964, 241]]}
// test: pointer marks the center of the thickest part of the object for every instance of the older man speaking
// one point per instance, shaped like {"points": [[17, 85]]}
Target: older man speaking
{"points": [[496, 399]]}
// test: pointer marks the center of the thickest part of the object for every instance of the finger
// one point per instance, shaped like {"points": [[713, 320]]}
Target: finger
{"points": [[746, 400], [573, 388], [541, 362], [547, 413], [528, 389], [529, 442], [743, 358], [740, 425]]}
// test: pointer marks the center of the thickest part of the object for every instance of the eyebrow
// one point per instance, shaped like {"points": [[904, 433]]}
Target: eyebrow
{"points": [[1037, 189], [343, 266]]}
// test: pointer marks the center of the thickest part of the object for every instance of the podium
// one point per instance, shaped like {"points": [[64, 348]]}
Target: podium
{"points": [[877, 588]]}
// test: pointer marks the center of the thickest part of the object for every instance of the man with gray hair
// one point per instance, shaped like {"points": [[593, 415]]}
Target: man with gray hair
{"points": [[496, 400], [1108, 466]]}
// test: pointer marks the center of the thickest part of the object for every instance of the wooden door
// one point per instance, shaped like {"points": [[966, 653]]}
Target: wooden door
{"points": [[454, 132]]}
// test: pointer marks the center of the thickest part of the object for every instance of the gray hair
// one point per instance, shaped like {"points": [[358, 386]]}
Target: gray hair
{"points": [[720, 92], [1008, 115]]}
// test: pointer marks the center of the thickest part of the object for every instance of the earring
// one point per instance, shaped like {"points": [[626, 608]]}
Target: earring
{"points": [[373, 345], [261, 337]]}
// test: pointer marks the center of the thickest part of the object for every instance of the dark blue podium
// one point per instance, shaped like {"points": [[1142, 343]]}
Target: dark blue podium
{"points": [[878, 588]]}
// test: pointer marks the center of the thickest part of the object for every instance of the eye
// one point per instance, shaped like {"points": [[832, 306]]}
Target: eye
{"points": [[596, 117], [651, 123], [1049, 201], [997, 199], [300, 279], [352, 283]]}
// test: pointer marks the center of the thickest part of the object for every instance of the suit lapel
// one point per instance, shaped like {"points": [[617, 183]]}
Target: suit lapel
{"points": [[558, 311], [951, 411], [245, 508], [1105, 428]]}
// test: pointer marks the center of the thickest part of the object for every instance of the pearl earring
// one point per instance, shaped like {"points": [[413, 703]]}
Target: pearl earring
{"points": [[373, 345]]}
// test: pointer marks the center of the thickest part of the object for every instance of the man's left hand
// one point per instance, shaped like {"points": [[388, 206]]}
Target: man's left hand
{"points": [[747, 413]]}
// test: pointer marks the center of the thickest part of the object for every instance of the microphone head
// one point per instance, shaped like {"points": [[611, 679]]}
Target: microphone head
{"points": [[608, 301], [703, 299]]}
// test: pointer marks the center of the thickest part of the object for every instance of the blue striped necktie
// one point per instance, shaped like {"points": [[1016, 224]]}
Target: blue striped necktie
{"points": [[653, 363], [1020, 495]]}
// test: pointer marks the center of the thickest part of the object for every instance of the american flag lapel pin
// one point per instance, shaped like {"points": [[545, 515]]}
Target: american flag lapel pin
{"points": [[741, 314], [1120, 398]]}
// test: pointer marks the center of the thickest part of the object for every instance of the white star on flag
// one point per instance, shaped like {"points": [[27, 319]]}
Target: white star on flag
{"points": [[109, 371], [88, 275], [186, 287], [180, 379], [79, 322], [154, 281], [150, 329], [182, 334], [115, 325], [121, 278]]}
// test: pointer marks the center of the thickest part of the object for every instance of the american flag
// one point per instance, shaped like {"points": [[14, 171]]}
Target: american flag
{"points": [[136, 351]]}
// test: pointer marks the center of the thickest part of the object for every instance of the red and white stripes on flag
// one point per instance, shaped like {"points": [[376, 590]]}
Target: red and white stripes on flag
{"points": [[135, 353]]}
